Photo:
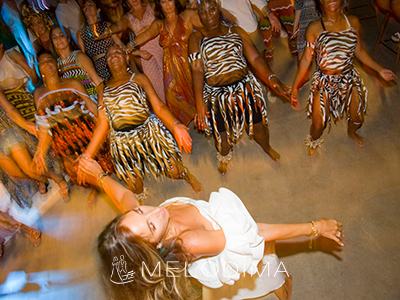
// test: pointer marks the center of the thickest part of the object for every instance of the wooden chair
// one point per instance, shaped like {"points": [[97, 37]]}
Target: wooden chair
{"points": [[388, 43]]}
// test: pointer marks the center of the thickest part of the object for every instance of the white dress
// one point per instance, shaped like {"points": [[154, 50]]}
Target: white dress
{"points": [[241, 270]]}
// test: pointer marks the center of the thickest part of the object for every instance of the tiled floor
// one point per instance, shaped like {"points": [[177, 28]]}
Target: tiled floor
{"points": [[360, 187]]}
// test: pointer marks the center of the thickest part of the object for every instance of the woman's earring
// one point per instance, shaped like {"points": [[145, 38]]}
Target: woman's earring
{"points": [[98, 16], [44, 81]]}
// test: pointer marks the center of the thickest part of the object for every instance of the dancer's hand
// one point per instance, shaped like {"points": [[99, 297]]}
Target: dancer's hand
{"points": [[387, 74], [39, 161], [275, 24], [81, 178], [145, 54], [89, 170], [294, 100], [330, 229], [200, 117], [31, 128], [279, 88], [182, 137]]}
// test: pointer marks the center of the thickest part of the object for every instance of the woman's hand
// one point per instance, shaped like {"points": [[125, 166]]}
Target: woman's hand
{"points": [[129, 48], [89, 170], [145, 54], [387, 74], [279, 88], [182, 137], [39, 161], [200, 117], [294, 100], [31, 128], [274, 21], [330, 229]]}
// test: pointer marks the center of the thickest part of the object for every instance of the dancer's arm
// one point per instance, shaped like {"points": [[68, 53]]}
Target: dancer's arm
{"points": [[20, 59], [304, 64], [15, 115], [190, 16], [261, 66], [180, 131], [113, 29], [123, 198], [365, 58], [198, 80], [88, 66], [201, 243], [328, 228], [100, 130], [147, 35]]}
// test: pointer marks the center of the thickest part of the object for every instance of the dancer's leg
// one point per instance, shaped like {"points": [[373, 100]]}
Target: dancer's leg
{"points": [[180, 171], [261, 136], [356, 120], [317, 124]]}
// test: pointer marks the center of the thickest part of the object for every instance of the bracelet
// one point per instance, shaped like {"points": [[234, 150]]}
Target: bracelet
{"points": [[100, 179], [272, 76], [266, 11], [110, 32], [132, 43], [314, 229]]}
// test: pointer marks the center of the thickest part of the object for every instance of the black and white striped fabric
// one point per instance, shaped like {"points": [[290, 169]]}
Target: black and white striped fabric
{"points": [[236, 104], [336, 75], [138, 139]]}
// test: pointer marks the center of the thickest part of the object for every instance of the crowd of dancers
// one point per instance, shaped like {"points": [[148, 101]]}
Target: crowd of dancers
{"points": [[116, 96]]}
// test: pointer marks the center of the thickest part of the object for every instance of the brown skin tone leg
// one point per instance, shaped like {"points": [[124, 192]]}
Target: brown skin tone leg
{"points": [[261, 136], [317, 125], [356, 121]]}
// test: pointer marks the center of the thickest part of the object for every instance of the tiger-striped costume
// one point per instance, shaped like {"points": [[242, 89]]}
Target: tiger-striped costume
{"points": [[334, 55], [138, 139], [232, 106]]}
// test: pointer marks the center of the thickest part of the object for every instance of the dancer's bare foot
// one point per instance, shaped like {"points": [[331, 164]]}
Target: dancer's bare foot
{"points": [[64, 190], [275, 156], [222, 167], [357, 139], [33, 235], [196, 185], [91, 198], [285, 291], [43, 186], [311, 151]]}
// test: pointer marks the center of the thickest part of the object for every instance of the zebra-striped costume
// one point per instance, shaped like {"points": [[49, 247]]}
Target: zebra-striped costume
{"points": [[334, 55], [138, 139], [70, 68], [237, 104]]}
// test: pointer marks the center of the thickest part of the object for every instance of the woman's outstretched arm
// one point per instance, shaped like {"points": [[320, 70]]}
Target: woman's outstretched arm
{"points": [[328, 228], [365, 58], [123, 198]]}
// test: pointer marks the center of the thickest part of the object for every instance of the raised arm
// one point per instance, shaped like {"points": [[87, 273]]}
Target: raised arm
{"points": [[113, 29], [20, 59], [365, 58], [101, 128], [261, 66], [180, 131], [328, 228], [147, 35], [87, 64], [191, 17], [198, 79], [123, 198]]}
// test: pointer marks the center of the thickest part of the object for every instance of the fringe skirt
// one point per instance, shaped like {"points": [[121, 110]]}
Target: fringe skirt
{"points": [[337, 90], [237, 105], [148, 148]]}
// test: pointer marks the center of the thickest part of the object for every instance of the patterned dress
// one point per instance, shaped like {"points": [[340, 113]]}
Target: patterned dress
{"points": [[153, 68], [334, 55], [309, 13], [138, 139], [12, 137], [178, 83], [234, 106], [70, 68], [95, 48], [284, 10], [65, 114]]}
